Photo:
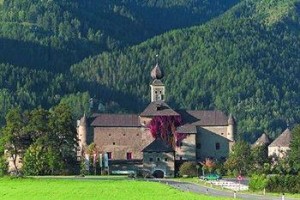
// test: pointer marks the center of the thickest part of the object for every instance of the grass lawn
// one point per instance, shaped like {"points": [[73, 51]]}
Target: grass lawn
{"points": [[74, 189]]}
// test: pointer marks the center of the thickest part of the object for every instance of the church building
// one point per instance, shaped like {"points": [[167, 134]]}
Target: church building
{"points": [[160, 138]]}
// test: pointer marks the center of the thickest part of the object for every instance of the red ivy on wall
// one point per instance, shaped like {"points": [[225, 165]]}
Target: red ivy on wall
{"points": [[165, 128]]}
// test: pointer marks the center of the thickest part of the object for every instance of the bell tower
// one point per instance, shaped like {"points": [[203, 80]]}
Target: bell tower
{"points": [[157, 87]]}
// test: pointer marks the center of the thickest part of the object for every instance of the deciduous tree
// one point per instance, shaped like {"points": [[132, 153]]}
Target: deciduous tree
{"points": [[239, 158]]}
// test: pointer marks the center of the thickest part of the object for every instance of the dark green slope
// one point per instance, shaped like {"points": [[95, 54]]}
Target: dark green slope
{"points": [[59, 33], [40, 39], [30, 89], [246, 62]]}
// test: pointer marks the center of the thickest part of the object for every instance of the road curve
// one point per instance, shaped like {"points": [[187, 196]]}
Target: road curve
{"points": [[191, 187]]}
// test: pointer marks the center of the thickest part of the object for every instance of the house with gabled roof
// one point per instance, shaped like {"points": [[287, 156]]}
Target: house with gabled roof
{"points": [[263, 140], [160, 138], [281, 145]]}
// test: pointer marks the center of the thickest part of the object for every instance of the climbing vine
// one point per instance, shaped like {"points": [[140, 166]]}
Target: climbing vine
{"points": [[164, 127]]}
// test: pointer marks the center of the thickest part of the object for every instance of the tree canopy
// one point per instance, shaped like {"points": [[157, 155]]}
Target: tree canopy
{"points": [[240, 57], [45, 140]]}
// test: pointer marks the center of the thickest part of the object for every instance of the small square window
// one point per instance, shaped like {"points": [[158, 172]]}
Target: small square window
{"points": [[218, 146], [114, 143], [166, 159], [109, 155], [129, 155], [150, 159], [157, 159]]}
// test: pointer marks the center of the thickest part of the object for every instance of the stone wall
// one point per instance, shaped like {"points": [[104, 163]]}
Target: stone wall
{"points": [[187, 149], [125, 165], [144, 121], [211, 143], [122, 140], [220, 130], [279, 152], [163, 161]]}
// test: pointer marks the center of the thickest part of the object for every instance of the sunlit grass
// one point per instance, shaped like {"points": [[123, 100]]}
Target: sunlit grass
{"points": [[73, 189]]}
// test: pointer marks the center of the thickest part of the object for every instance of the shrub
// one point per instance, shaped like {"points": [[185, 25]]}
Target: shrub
{"points": [[83, 169], [3, 166], [258, 182], [286, 183], [132, 175], [39, 160], [143, 173], [235, 173], [104, 172], [189, 169]]}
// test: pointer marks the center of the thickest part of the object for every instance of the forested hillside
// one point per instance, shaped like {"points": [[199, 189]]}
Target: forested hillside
{"points": [[53, 34], [41, 39], [245, 62]]}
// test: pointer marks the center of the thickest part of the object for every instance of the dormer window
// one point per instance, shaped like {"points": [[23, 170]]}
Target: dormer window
{"points": [[159, 108]]}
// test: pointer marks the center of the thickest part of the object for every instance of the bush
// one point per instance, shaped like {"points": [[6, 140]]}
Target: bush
{"points": [[189, 169], [3, 166], [105, 172], [286, 183], [143, 173], [132, 175], [83, 169], [39, 160], [258, 182]]}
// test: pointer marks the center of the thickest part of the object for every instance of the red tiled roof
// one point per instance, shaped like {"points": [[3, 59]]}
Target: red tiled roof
{"points": [[115, 120]]}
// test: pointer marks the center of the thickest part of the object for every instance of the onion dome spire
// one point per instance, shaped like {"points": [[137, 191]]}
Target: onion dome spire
{"points": [[157, 73]]}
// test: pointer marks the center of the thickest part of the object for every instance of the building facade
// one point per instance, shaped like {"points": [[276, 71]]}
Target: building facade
{"points": [[281, 145], [141, 139]]}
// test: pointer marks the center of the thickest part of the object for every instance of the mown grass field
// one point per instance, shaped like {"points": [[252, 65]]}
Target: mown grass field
{"points": [[73, 189]]}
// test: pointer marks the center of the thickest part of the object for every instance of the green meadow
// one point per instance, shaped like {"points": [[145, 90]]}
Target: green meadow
{"points": [[80, 189]]}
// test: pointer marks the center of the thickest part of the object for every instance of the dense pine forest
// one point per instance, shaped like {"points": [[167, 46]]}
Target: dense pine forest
{"points": [[238, 56]]}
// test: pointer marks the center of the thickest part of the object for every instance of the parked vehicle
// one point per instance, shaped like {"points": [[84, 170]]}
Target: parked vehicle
{"points": [[211, 177]]}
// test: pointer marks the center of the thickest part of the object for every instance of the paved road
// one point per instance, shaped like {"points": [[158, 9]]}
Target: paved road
{"points": [[214, 192]]}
